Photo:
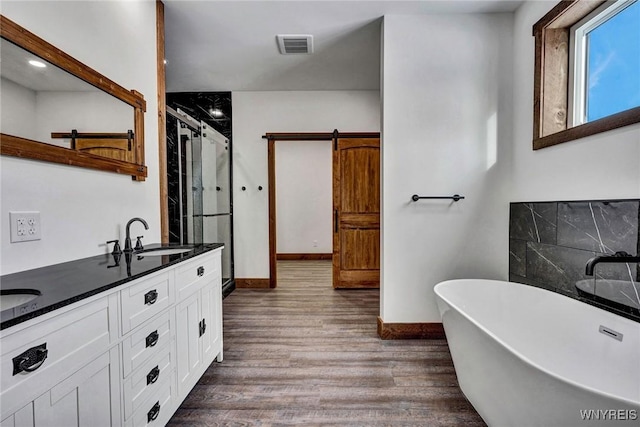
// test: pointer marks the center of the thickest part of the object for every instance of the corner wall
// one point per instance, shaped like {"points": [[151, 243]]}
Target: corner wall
{"points": [[446, 83], [256, 113], [82, 208]]}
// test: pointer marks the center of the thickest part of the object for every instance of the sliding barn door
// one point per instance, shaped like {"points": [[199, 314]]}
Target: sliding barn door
{"points": [[356, 205]]}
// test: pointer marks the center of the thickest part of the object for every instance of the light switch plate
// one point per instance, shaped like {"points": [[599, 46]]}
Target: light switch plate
{"points": [[25, 226]]}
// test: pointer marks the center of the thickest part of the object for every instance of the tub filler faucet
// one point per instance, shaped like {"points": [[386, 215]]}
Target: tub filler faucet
{"points": [[127, 240], [618, 257]]}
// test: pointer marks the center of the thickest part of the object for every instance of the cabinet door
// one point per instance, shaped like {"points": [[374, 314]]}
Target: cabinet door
{"points": [[87, 398], [212, 315], [21, 418], [188, 342]]}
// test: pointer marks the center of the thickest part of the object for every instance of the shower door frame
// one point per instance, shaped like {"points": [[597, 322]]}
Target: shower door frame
{"points": [[195, 126]]}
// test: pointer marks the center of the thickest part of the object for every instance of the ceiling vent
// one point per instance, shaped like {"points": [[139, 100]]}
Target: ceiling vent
{"points": [[295, 43]]}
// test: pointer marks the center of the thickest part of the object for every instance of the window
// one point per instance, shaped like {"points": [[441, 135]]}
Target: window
{"points": [[605, 62], [587, 75]]}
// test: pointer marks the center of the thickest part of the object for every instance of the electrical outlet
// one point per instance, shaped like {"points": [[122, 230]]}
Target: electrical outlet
{"points": [[25, 226], [315, 243]]}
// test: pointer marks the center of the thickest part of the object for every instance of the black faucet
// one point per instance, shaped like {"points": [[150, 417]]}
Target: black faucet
{"points": [[127, 240], [618, 257]]}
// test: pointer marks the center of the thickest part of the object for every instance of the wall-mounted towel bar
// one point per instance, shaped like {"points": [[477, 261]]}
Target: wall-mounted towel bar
{"points": [[455, 197]]}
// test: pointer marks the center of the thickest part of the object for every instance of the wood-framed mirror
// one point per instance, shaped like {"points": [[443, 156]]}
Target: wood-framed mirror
{"points": [[56, 109]]}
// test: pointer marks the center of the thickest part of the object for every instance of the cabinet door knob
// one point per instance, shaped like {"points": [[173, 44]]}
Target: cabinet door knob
{"points": [[153, 375], [31, 359], [150, 297], [153, 412], [201, 271], [152, 339]]}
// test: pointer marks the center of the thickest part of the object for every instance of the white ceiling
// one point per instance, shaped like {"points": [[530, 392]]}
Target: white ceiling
{"points": [[231, 45], [15, 67]]}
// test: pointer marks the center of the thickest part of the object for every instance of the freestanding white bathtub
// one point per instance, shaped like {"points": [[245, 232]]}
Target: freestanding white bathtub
{"points": [[525, 356]]}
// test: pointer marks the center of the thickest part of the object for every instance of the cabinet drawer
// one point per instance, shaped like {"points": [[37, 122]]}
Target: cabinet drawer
{"points": [[189, 276], [145, 299], [71, 339], [146, 341], [158, 408], [147, 379]]}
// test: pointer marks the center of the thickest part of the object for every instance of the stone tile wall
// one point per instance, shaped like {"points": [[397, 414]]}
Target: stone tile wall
{"points": [[551, 242]]}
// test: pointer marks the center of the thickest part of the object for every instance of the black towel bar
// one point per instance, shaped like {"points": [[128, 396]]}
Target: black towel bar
{"points": [[455, 197]]}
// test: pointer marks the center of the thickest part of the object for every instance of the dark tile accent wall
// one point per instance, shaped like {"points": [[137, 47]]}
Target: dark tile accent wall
{"points": [[551, 242], [200, 106], [173, 180]]}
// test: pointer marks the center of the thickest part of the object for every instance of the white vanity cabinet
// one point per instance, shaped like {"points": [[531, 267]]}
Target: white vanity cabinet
{"points": [[126, 357], [166, 351], [62, 368], [199, 321], [148, 348], [84, 398]]}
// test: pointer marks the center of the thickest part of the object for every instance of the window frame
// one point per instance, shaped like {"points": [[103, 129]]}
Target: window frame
{"points": [[551, 101], [578, 102]]}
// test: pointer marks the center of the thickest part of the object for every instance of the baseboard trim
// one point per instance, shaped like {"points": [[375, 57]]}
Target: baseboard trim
{"points": [[253, 283], [410, 331], [305, 257]]}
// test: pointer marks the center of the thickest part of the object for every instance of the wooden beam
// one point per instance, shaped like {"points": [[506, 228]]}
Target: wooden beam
{"points": [[162, 124], [271, 166]]}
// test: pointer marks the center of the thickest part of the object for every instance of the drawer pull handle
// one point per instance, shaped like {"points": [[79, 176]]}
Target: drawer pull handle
{"points": [[152, 339], [150, 297], [30, 360], [154, 412], [201, 271], [153, 375]]}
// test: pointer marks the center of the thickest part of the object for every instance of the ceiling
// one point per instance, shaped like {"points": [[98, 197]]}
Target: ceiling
{"points": [[231, 45], [16, 68]]}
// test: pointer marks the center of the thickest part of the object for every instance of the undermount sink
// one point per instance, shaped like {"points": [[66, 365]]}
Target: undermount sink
{"points": [[11, 298], [163, 251]]}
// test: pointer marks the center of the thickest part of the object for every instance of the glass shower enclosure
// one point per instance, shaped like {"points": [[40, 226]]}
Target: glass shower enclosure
{"points": [[199, 187]]}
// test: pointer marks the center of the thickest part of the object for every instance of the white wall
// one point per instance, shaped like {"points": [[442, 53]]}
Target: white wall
{"points": [[304, 197], [17, 109], [446, 84], [91, 111], [254, 114], [604, 166], [82, 208]]}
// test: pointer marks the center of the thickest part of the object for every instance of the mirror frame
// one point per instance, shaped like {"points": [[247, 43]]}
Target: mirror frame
{"points": [[30, 149]]}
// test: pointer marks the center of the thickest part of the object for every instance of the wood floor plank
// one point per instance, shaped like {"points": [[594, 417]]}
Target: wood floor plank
{"points": [[306, 354]]}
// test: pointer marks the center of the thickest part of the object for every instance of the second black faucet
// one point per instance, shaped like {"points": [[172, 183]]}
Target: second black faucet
{"points": [[127, 241]]}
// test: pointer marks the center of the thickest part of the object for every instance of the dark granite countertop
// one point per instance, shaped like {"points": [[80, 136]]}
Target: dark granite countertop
{"points": [[68, 282]]}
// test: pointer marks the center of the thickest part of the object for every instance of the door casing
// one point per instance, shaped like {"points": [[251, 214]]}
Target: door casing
{"points": [[272, 138]]}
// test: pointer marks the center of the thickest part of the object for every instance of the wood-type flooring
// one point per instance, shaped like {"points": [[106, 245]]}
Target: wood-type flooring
{"points": [[306, 354]]}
